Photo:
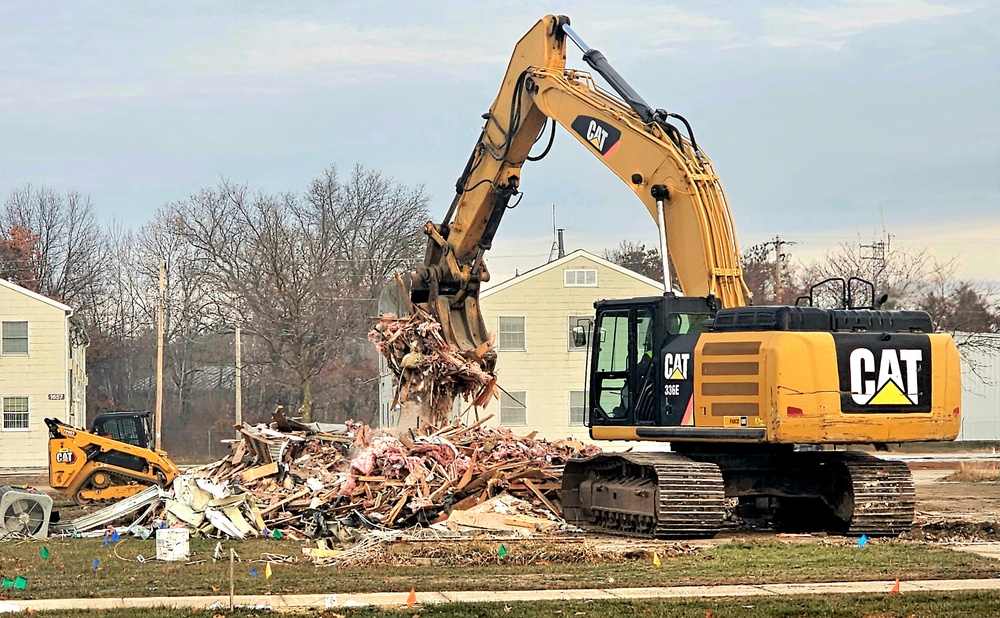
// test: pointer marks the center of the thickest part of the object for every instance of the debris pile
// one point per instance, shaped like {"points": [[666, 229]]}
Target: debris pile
{"points": [[332, 482], [949, 531], [425, 547], [426, 366]]}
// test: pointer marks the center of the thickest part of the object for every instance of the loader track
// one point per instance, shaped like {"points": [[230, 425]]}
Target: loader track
{"points": [[117, 478], [663, 495]]}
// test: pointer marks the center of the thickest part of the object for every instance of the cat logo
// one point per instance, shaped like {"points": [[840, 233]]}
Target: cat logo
{"points": [[601, 136], [888, 381], [596, 135], [884, 373], [65, 456], [675, 366]]}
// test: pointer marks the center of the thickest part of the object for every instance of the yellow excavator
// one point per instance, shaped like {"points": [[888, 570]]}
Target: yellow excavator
{"points": [[758, 403], [113, 461]]}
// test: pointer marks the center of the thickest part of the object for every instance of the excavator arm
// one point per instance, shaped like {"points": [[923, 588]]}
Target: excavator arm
{"points": [[632, 139]]}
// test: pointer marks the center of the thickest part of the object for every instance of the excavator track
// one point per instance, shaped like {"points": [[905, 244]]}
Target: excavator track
{"points": [[882, 496], [661, 495], [669, 495]]}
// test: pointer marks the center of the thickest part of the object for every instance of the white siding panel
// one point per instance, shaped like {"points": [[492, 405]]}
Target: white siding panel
{"points": [[549, 370], [43, 372], [980, 395]]}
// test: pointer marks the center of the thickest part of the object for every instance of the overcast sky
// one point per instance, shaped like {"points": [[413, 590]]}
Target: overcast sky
{"points": [[825, 119]]}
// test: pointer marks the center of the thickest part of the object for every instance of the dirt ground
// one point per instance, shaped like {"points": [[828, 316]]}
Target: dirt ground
{"points": [[938, 497]]}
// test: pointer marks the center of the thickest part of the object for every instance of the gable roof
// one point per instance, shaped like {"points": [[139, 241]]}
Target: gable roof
{"points": [[36, 296], [562, 262]]}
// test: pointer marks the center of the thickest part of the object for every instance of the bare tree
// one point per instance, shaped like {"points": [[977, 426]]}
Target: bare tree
{"points": [[20, 260], [906, 274], [71, 245], [636, 257], [302, 272]]}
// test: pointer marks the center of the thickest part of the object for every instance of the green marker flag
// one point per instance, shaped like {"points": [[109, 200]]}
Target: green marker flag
{"points": [[8, 583], [277, 534], [20, 583], [45, 553], [502, 551]]}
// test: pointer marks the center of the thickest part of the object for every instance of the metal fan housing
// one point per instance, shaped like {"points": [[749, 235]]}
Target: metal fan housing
{"points": [[23, 512]]}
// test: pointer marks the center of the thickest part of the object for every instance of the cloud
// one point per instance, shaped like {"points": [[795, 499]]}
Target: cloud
{"points": [[833, 26], [302, 47]]}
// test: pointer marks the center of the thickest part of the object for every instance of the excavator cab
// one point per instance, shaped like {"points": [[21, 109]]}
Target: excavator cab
{"points": [[131, 427], [643, 347]]}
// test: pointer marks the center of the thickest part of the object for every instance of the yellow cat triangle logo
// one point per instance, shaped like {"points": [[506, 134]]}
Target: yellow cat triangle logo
{"points": [[676, 375], [596, 143], [890, 395]]}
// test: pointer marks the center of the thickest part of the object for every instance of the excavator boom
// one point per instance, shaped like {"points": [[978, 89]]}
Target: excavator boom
{"points": [[632, 139]]}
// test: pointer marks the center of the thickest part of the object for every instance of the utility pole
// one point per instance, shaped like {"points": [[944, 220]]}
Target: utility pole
{"points": [[239, 378], [777, 267], [159, 357], [779, 264]]}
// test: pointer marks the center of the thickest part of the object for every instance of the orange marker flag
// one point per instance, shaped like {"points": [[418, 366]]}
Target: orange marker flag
{"points": [[412, 599], [895, 589]]}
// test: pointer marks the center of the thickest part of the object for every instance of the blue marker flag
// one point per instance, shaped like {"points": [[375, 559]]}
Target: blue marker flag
{"points": [[105, 541], [253, 572], [863, 540], [114, 535], [97, 563]]}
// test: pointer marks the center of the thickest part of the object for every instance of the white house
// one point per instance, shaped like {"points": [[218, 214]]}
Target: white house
{"points": [[42, 374], [540, 369]]}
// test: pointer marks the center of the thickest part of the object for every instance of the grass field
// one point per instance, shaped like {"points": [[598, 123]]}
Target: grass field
{"points": [[915, 605], [976, 472], [69, 571]]}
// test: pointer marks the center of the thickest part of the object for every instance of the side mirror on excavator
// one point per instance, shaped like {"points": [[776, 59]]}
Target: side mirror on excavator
{"points": [[579, 336]]}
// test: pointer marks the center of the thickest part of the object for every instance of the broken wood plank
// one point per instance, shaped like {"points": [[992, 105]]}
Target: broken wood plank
{"points": [[541, 496], [259, 472], [394, 513], [295, 496]]}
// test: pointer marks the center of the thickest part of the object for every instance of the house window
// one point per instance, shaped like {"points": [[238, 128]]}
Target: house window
{"points": [[577, 407], [511, 332], [15, 413], [513, 408], [14, 339], [581, 277], [587, 322]]}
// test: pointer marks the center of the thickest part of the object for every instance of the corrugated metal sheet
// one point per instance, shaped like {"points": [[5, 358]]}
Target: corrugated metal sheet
{"points": [[981, 393]]}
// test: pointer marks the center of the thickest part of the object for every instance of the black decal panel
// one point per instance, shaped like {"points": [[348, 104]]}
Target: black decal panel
{"points": [[677, 362], [600, 135], [888, 373]]}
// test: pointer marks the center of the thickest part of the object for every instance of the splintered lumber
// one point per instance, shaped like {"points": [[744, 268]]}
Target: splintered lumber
{"points": [[293, 475], [259, 472], [534, 489], [429, 374]]}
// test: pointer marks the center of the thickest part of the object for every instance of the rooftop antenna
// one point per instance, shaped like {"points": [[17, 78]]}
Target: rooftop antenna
{"points": [[555, 251]]}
